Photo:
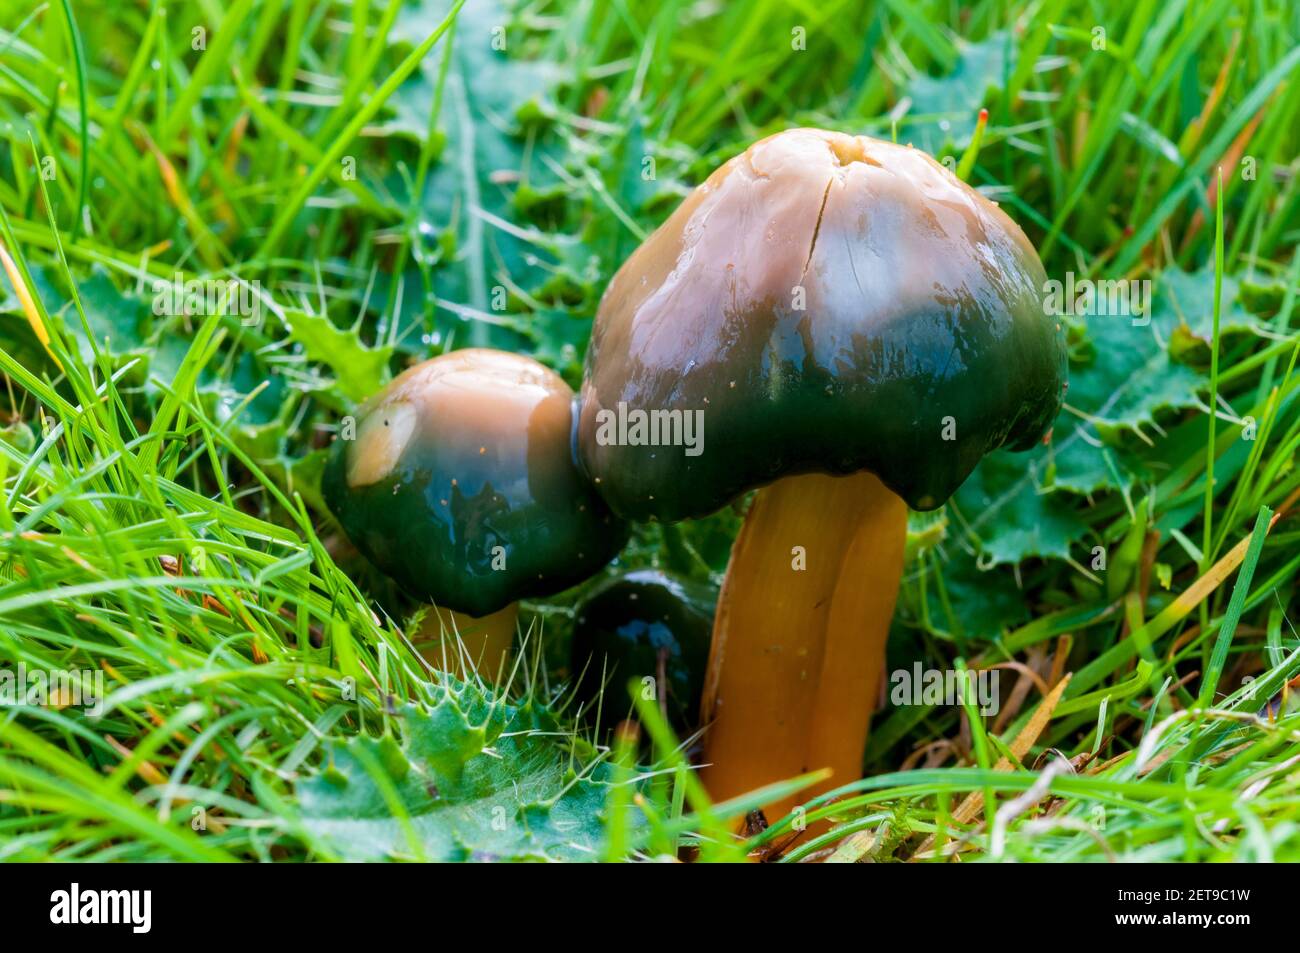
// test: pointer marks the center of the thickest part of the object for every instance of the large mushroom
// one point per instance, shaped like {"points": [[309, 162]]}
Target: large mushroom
{"points": [[461, 485], [850, 327]]}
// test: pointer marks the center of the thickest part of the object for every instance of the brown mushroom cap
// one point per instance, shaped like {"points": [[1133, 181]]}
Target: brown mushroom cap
{"points": [[462, 485], [831, 304]]}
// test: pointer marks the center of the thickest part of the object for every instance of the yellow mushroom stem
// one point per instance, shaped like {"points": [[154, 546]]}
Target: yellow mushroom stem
{"points": [[799, 637], [460, 644]]}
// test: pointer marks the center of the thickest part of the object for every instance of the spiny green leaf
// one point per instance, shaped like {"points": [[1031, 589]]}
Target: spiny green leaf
{"points": [[475, 779], [1030, 521], [359, 370], [947, 106], [1015, 504], [486, 155]]}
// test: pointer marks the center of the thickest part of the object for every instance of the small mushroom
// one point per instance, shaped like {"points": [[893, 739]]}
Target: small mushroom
{"points": [[461, 485], [852, 327], [643, 625]]}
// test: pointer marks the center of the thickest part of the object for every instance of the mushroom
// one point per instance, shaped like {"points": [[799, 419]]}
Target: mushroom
{"points": [[638, 625], [851, 328], [461, 485]]}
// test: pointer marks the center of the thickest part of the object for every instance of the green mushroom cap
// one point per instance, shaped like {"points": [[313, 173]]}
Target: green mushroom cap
{"points": [[822, 303], [644, 624], [461, 484]]}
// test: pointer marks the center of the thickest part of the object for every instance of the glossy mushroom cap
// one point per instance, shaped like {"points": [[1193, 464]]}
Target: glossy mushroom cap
{"points": [[831, 304], [624, 628], [461, 484]]}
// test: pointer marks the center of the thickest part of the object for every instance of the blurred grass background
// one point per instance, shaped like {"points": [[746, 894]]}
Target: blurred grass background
{"points": [[393, 179]]}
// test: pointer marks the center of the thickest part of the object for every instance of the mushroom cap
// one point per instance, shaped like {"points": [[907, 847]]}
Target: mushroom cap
{"points": [[621, 628], [830, 303], [461, 484]]}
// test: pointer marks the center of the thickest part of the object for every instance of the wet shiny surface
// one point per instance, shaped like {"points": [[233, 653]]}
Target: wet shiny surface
{"points": [[461, 484], [624, 627], [828, 301]]}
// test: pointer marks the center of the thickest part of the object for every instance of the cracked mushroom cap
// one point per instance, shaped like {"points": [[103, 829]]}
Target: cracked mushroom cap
{"points": [[461, 484], [824, 303]]}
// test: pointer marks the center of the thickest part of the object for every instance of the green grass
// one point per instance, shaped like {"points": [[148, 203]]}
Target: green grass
{"points": [[394, 186]]}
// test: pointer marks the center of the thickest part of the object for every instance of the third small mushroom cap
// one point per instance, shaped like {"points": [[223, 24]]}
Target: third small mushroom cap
{"points": [[822, 303], [643, 624]]}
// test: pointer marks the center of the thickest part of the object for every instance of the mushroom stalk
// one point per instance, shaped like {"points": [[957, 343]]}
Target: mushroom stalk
{"points": [[799, 637], [463, 644]]}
